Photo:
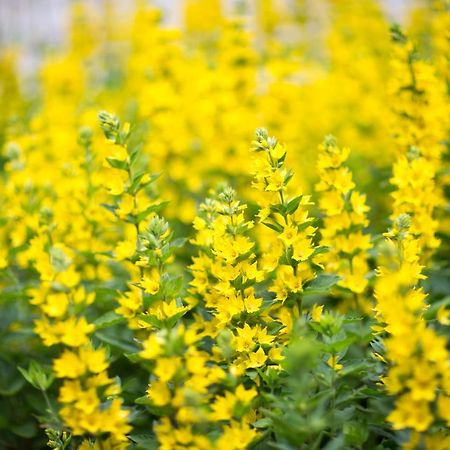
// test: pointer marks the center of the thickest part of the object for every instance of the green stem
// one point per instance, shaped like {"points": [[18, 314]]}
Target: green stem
{"points": [[49, 406]]}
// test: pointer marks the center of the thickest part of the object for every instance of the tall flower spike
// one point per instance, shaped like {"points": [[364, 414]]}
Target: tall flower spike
{"points": [[87, 395], [162, 289], [225, 271], [287, 244], [132, 205], [418, 361], [420, 123], [344, 211], [187, 366]]}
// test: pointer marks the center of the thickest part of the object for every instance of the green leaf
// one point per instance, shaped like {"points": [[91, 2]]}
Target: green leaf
{"points": [[117, 163], [320, 250], [134, 154], [13, 387], [355, 433], [173, 286], [37, 376], [431, 311], [292, 206], [107, 320], [10, 381], [144, 400], [274, 226], [178, 243], [262, 423], [156, 410], [338, 346], [337, 443], [133, 357], [137, 184], [152, 320], [151, 209], [110, 208], [25, 430], [172, 321], [353, 369], [278, 208], [305, 225], [288, 176], [322, 284], [115, 342], [144, 441]]}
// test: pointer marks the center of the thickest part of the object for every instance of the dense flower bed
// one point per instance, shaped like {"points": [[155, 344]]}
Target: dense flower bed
{"points": [[173, 276]]}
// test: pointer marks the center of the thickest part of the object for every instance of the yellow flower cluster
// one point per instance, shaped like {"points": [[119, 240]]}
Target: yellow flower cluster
{"points": [[419, 360], [288, 245], [176, 284], [90, 399], [345, 218], [420, 126]]}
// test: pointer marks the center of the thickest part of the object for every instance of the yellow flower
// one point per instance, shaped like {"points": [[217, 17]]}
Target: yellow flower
{"points": [[443, 315], [75, 332], [118, 153], [126, 206], [288, 235], [252, 304], [150, 284], [69, 278], [115, 181], [333, 363], [125, 250], [276, 354], [245, 338], [159, 393], [236, 436], [69, 391], [87, 401], [256, 359], [55, 304], [275, 181], [151, 347], [3, 258], [245, 396], [129, 302], [345, 218], [69, 365], [223, 407], [444, 407], [167, 368], [410, 414], [165, 309], [94, 359], [316, 312]]}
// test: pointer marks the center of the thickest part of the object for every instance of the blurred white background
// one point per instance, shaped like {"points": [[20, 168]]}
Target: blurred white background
{"points": [[42, 22], [31, 25]]}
